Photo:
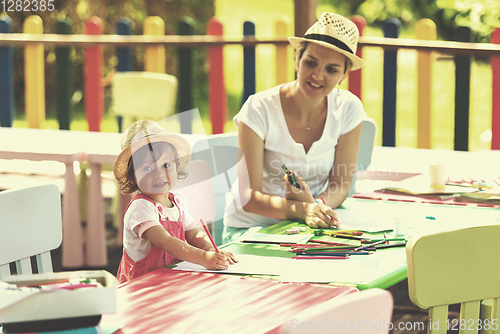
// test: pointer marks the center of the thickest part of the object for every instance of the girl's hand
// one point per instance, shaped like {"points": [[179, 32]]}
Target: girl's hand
{"points": [[303, 194], [230, 257], [215, 261], [321, 216]]}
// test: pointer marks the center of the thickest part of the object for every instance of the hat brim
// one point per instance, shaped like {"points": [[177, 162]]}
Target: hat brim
{"points": [[357, 62], [181, 145]]}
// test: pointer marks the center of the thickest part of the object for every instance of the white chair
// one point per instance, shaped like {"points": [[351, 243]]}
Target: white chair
{"points": [[222, 154], [143, 95], [365, 149], [367, 312], [31, 225], [198, 190]]}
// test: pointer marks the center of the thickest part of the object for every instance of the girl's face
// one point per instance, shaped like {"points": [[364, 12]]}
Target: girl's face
{"points": [[155, 178], [319, 70]]}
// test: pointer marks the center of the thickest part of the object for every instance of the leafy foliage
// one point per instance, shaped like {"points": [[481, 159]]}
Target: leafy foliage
{"points": [[482, 16]]}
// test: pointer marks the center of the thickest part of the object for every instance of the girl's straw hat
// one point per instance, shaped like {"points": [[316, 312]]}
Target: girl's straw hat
{"points": [[335, 32], [143, 133]]}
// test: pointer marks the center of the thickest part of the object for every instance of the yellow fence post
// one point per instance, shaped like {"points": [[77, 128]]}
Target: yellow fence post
{"points": [[154, 60], [425, 29], [281, 30], [34, 74]]}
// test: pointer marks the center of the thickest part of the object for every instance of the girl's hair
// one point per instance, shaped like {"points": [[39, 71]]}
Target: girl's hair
{"points": [[299, 52], [151, 151]]}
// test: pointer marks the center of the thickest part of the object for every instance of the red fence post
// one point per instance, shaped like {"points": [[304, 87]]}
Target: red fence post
{"points": [[94, 91], [355, 78], [217, 97], [495, 112]]}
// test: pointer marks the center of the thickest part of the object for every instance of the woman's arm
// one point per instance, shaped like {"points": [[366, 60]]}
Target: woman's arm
{"points": [[344, 167], [184, 251], [264, 204]]}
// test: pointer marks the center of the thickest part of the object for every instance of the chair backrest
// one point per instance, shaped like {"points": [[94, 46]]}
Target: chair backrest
{"points": [[365, 149], [221, 153], [198, 190], [367, 311], [452, 267], [30, 225], [143, 95]]}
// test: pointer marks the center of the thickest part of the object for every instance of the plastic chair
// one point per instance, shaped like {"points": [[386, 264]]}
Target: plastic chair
{"points": [[365, 149], [31, 225], [143, 95], [198, 190], [452, 267], [368, 311], [221, 153]]}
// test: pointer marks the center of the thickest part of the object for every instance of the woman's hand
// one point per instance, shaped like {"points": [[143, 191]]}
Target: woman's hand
{"points": [[321, 216], [215, 261], [303, 194]]}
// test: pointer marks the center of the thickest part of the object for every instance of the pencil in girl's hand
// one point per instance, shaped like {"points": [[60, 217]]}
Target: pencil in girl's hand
{"points": [[209, 235]]}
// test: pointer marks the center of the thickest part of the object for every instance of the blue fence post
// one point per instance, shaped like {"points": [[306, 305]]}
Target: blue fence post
{"points": [[6, 77], [248, 62], [391, 30], [124, 55], [64, 77], [186, 27], [462, 92]]}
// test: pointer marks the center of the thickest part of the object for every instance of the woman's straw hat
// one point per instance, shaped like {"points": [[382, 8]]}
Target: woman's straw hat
{"points": [[335, 32], [141, 134]]}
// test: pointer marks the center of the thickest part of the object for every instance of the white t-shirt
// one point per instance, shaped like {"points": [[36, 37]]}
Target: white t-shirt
{"points": [[263, 114], [142, 215]]}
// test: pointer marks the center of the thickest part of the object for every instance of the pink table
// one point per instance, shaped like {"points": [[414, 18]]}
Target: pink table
{"points": [[171, 301]]}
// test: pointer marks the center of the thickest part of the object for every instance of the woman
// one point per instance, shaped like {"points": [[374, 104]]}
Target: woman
{"points": [[307, 125]]}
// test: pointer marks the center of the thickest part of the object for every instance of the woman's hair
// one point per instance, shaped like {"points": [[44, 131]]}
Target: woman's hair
{"points": [[151, 151], [299, 52]]}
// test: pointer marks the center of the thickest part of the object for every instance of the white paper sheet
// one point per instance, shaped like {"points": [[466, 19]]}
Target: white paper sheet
{"points": [[248, 264]]}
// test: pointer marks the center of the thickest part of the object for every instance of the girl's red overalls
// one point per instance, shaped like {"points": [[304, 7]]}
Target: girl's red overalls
{"points": [[156, 258]]}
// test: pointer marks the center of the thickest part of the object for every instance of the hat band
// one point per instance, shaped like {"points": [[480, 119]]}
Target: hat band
{"points": [[330, 40]]}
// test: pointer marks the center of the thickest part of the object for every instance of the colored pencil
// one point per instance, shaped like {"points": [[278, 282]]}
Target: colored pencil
{"points": [[388, 239], [209, 235], [328, 242], [391, 245], [350, 233], [371, 245], [352, 237], [320, 257], [336, 253], [324, 202]]}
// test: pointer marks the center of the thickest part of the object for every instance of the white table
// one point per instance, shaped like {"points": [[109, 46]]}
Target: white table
{"points": [[52, 145]]}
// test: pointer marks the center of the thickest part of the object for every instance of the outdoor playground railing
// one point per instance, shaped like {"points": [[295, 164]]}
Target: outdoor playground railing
{"points": [[155, 41]]}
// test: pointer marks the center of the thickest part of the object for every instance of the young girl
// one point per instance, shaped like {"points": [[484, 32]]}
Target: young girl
{"points": [[158, 230]]}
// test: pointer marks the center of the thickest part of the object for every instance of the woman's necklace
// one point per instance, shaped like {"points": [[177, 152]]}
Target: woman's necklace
{"points": [[308, 127]]}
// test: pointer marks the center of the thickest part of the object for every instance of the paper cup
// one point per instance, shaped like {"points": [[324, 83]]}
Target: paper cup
{"points": [[437, 175]]}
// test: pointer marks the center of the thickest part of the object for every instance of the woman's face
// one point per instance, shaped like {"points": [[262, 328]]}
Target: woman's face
{"points": [[319, 70]]}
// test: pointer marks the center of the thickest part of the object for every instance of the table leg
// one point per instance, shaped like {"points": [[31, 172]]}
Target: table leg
{"points": [[72, 244], [96, 249]]}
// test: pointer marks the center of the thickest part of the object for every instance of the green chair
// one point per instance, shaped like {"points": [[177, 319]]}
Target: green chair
{"points": [[456, 267]]}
